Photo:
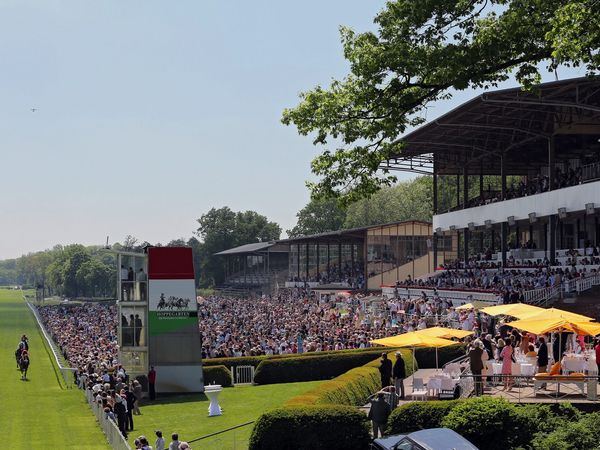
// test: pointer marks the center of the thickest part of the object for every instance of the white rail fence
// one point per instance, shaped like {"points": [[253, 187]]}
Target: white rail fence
{"points": [[110, 429], [66, 372]]}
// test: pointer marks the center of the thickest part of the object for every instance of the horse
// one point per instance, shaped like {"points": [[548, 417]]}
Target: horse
{"points": [[18, 352], [23, 366]]}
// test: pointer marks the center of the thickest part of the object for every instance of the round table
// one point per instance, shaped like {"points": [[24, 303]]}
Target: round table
{"points": [[212, 391]]}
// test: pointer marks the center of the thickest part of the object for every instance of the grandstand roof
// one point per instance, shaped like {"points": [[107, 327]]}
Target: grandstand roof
{"points": [[248, 248], [348, 233], [513, 122]]}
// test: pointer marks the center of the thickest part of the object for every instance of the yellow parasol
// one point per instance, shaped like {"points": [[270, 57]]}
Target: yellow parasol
{"points": [[555, 313], [446, 333], [415, 339], [518, 310], [545, 325], [473, 305]]}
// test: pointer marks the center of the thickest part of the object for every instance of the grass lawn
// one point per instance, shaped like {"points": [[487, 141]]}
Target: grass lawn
{"points": [[188, 414], [38, 413]]}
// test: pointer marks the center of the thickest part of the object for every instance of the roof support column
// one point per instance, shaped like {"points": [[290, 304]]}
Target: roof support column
{"points": [[503, 175], [466, 245], [465, 187], [435, 193], [457, 190], [551, 152], [435, 250], [481, 180], [553, 223], [503, 237]]}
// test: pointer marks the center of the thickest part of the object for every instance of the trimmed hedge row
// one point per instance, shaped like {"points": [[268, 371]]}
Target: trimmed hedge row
{"points": [[218, 375], [417, 416], [351, 388], [489, 423], [311, 428], [256, 360], [309, 368]]}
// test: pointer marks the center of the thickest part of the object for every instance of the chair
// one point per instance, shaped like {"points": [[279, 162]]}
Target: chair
{"points": [[447, 389], [419, 390]]}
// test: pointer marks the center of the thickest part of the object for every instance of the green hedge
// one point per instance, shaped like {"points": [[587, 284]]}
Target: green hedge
{"points": [[351, 388], [426, 356], [218, 375], [310, 368], [311, 428], [493, 423], [256, 360], [489, 423], [417, 416]]}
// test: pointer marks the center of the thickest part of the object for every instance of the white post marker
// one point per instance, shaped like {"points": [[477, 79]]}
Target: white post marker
{"points": [[212, 392]]}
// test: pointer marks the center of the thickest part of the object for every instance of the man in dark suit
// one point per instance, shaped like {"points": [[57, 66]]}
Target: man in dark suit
{"points": [[385, 370], [399, 374], [476, 364]]}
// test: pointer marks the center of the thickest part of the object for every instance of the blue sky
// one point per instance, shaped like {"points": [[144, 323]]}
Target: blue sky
{"points": [[149, 113]]}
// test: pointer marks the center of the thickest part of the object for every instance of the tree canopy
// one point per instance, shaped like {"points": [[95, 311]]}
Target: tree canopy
{"points": [[222, 228], [318, 216], [420, 51]]}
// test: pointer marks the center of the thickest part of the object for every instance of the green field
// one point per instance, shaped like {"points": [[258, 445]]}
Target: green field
{"points": [[188, 415], [38, 413]]}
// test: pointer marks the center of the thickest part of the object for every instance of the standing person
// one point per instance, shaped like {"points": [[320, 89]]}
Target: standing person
{"points": [[142, 278], [476, 365], [138, 329], [152, 383], [124, 284], [130, 398], [507, 355], [542, 357], [130, 280], [597, 349], [137, 391], [121, 412], [385, 370], [160, 441], [379, 413], [174, 445], [399, 374]]}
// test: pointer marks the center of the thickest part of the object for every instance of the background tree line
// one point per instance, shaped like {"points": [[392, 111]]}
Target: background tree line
{"points": [[80, 271]]}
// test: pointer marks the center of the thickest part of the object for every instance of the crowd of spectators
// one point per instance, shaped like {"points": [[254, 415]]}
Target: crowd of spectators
{"points": [[294, 321], [86, 334]]}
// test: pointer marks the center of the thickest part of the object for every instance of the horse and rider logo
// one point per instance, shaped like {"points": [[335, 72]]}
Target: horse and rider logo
{"points": [[172, 303]]}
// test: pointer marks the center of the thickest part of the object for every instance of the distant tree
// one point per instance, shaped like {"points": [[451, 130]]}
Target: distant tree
{"points": [[96, 279], [181, 242], [129, 243], [408, 200], [318, 216], [220, 229]]}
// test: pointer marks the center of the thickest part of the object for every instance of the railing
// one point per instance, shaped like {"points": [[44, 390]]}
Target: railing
{"points": [[66, 372], [541, 296], [590, 172], [110, 429], [231, 439], [526, 388], [583, 284], [456, 296]]}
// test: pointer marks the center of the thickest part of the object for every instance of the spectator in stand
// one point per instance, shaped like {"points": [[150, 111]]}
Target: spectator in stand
{"points": [[174, 445], [597, 349], [160, 441]]}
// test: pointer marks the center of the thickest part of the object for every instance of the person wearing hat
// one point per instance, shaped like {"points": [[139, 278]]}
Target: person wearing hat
{"points": [[476, 364], [399, 374], [160, 441]]}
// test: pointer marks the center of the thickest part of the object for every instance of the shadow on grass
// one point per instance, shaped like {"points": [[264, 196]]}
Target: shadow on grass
{"points": [[168, 399]]}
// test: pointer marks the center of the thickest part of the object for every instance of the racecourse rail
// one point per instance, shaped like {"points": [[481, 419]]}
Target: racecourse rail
{"points": [[110, 429]]}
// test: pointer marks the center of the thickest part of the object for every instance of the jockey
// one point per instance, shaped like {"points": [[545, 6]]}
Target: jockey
{"points": [[24, 353]]}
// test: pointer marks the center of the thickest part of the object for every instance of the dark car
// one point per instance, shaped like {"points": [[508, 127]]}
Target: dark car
{"points": [[431, 439]]}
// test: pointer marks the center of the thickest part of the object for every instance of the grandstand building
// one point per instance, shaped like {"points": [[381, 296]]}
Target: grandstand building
{"points": [[516, 176], [359, 258]]}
